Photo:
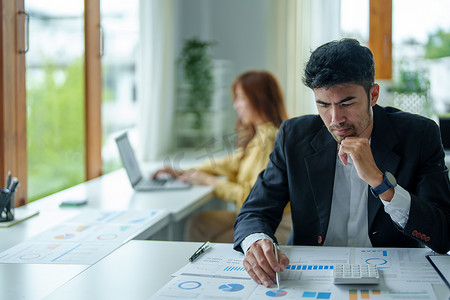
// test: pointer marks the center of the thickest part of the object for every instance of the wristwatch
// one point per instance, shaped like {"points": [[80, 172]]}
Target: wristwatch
{"points": [[389, 182]]}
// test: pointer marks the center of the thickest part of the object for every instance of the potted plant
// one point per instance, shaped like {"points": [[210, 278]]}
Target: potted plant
{"points": [[197, 79]]}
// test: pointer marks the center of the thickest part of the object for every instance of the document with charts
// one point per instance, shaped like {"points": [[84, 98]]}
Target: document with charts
{"points": [[219, 274], [84, 239]]}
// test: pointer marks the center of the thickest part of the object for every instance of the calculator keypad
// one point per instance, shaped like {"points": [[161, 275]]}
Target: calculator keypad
{"points": [[355, 274]]}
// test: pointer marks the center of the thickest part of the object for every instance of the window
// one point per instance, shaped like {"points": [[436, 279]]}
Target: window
{"points": [[421, 56], [355, 20], [55, 96], [16, 38], [120, 39]]}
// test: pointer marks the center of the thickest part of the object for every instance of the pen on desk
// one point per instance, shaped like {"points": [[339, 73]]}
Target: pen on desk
{"points": [[277, 274], [202, 249]]}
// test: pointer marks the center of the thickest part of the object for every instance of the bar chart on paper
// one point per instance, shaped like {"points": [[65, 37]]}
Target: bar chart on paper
{"points": [[308, 272], [234, 269], [309, 267]]}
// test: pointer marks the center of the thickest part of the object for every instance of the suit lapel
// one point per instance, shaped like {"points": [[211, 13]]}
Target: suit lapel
{"points": [[382, 143], [321, 168], [321, 165]]}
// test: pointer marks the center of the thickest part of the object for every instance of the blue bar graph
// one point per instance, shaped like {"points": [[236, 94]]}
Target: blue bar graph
{"points": [[316, 295], [232, 268], [308, 267]]}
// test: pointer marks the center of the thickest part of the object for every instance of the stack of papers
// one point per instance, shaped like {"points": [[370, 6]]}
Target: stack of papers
{"points": [[219, 274], [84, 239]]}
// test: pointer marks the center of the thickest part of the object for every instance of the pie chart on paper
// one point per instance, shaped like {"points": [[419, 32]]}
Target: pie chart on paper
{"points": [[276, 293], [231, 287]]}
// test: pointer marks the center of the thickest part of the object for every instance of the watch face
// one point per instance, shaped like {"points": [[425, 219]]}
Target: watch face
{"points": [[391, 179]]}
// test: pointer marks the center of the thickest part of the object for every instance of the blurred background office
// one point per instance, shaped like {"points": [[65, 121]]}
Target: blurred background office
{"points": [[143, 80]]}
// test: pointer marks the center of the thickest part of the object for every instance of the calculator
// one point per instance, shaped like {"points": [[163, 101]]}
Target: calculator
{"points": [[355, 274]]}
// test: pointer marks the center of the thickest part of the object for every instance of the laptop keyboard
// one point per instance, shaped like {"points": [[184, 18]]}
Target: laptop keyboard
{"points": [[152, 182]]}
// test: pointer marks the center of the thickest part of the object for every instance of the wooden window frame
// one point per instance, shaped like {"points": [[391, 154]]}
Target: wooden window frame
{"points": [[380, 37], [93, 89], [13, 150], [13, 122]]}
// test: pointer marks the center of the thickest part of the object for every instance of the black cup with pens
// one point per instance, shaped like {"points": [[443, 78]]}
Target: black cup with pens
{"points": [[7, 203]]}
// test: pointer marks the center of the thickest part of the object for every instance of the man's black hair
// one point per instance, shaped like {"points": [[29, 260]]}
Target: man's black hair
{"points": [[337, 62]]}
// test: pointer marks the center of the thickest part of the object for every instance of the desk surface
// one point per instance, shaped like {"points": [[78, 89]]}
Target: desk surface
{"points": [[30, 282], [134, 271], [138, 269], [114, 192], [109, 192]]}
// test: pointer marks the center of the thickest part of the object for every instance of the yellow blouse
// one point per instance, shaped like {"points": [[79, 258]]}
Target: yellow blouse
{"points": [[242, 167]]}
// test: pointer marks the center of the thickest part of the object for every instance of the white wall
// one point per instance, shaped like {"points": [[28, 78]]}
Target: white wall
{"points": [[275, 35]]}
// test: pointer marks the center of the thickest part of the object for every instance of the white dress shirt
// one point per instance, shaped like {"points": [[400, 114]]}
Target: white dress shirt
{"points": [[350, 196]]}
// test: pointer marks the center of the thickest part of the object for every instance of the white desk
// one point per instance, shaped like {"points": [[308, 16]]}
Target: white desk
{"points": [[23, 281], [137, 270], [109, 192], [134, 271]]}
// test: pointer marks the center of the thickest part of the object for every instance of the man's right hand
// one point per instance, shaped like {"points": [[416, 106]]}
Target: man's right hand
{"points": [[261, 264]]}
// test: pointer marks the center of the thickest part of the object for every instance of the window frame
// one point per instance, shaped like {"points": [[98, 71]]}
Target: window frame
{"points": [[380, 37], [13, 123]]}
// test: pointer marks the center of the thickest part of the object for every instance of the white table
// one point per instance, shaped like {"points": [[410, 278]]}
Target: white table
{"points": [[134, 271], [138, 269], [25, 281], [110, 192]]}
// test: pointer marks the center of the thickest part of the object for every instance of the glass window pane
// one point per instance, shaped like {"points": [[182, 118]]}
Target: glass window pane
{"points": [[421, 50], [120, 26], [355, 20], [55, 96]]}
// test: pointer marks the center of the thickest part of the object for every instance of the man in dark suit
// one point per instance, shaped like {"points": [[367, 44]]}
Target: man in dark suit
{"points": [[355, 175]]}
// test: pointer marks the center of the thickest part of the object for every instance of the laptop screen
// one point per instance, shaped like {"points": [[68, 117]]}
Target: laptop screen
{"points": [[128, 159]]}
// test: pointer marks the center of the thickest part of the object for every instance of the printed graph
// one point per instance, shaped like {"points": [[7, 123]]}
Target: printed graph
{"points": [[316, 295], [380, 258], [189, 285], [277, 293], [64, 236], [308, 267], [233, 268], [231, 287]]}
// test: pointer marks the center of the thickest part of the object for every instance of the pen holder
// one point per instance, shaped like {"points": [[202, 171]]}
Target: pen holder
{"points": [[7, 205]]}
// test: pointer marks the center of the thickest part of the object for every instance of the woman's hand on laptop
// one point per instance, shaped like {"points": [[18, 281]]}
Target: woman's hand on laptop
{"points": [[167, 173], [198, 177]]}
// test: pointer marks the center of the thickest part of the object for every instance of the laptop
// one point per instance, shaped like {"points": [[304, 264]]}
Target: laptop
{"points": [[138, 182]]}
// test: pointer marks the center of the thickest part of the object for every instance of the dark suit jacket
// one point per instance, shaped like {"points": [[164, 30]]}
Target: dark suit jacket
{"points": [[302, 167]]}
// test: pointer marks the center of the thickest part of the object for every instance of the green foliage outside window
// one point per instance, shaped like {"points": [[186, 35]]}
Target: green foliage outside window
{"points": [[438, 45], [55, 129], [411, 81]]}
